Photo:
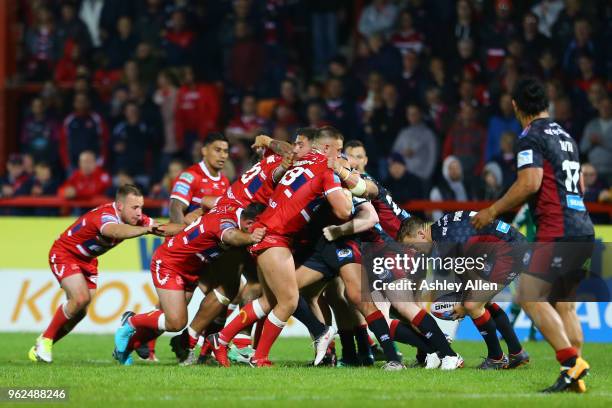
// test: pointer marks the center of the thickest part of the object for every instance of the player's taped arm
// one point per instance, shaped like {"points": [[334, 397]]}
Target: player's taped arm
{"points": [[177, 211], [364, 220], [125, 231], [235, 237], [356, 184]]}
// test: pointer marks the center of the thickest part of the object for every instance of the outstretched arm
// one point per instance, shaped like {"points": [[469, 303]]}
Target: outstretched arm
{"points": [[528, 182], [126, 231], [236, 237]]}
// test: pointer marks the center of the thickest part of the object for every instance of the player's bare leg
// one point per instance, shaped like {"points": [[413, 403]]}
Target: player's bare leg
{"points": [[66, 317], [347, 318], [573, 329], [533, 294], [278, 269]]}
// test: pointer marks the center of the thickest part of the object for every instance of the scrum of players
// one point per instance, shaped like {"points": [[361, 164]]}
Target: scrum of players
{"points": [[285, 240]]}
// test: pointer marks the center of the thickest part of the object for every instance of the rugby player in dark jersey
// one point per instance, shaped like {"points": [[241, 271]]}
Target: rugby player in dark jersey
{"points": [[549, 180], [501, 250]]}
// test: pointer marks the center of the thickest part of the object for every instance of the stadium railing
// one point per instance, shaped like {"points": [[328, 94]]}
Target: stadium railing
{"points": [[416, 205]]}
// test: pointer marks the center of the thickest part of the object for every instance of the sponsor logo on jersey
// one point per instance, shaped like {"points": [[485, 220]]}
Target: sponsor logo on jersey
{"points": [[344, 253], [575, 202], [524, 158], [188, 177], [181, 188], [503, 227], [109, 218]]}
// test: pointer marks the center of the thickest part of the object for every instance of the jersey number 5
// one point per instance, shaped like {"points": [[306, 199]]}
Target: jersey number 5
{"points": [[572, 171]]}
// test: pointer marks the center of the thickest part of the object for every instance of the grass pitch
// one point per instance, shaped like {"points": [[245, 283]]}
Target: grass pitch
{"points": [[84, 366]]}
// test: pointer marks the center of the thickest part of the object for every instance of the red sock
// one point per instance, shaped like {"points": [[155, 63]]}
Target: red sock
{"points": [[257, 335], [393, 328], [146, 320], [567, 356], [248, 315], [151, 345], [419, 317], [58, 321], [242, 342], [141, 336], [271, 330]]}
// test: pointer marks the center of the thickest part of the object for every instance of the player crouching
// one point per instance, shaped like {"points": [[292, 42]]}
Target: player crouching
{"points": [[176, 267], [73, 260], [505, 252]]}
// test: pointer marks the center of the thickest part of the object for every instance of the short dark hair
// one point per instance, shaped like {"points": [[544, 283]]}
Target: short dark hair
{"points": [[351, 144], [308, 132], [253, 210], [530, 96], [409, 227], [127, 189], [328, 131], [215, 137]]}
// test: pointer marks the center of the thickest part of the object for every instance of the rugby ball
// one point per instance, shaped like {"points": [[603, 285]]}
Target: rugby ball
{"points": [[443, 309]]}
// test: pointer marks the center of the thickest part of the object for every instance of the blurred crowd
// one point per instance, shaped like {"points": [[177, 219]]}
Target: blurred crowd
{"points": [[130, 89]]}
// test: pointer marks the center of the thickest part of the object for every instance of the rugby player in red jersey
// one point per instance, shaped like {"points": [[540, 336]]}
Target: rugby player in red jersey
{"points": [[73, 260], [201, 185], [254, 186], [549, 179], [307, 184], [176, 269]]}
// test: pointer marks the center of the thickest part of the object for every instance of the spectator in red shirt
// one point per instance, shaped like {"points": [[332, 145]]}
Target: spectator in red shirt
{"points": [[467, 140], [67, 67], [406, 38], [88, 181], [247, 124], [197, 110], [82, 130], [178, 40]]}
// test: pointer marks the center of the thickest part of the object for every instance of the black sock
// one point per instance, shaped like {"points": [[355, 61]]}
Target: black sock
{"points": [[363, 345], [431, 331], [407, 335], [347, 339], [304, 314], [420, 356], [488, 331], [505, 328], [378, 325]]}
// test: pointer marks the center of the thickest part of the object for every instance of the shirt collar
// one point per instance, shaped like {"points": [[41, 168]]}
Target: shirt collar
{"points": [[207, 172]]}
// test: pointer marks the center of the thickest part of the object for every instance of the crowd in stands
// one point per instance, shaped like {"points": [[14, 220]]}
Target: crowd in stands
{"points": [[129, 89]]}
